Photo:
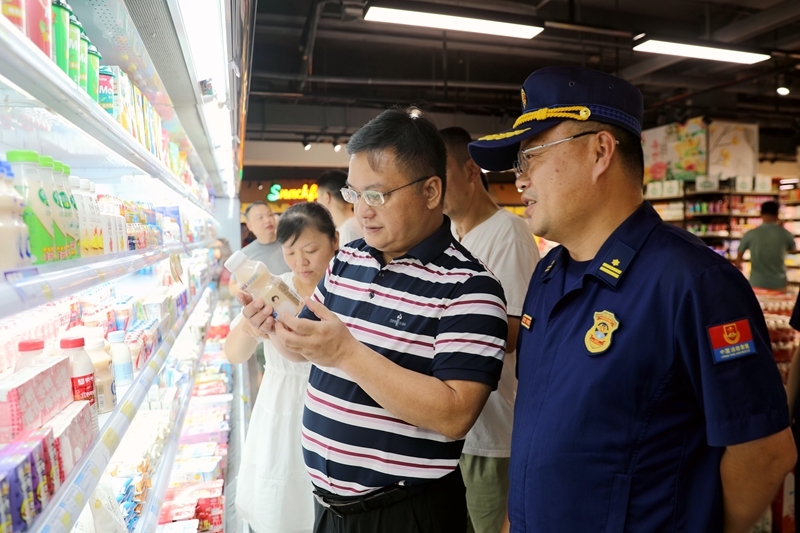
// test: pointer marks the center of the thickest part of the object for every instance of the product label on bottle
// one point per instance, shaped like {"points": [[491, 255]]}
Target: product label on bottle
{"points": [[83, 388], [123, 372], [246, 285]]}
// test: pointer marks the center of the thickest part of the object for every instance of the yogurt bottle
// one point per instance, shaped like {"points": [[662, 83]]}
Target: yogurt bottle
{"points": [[82, 372], [62, 211], [255, 278], [37, 215], [48, 181], [103, 375], [22, 247], [121, 361], [73, 223]]}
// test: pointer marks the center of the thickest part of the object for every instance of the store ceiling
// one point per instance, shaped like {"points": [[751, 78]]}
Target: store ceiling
{"points": [[358, 68]]}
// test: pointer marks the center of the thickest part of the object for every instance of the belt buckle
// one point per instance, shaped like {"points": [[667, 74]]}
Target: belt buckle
{"points": [[326, 505]]}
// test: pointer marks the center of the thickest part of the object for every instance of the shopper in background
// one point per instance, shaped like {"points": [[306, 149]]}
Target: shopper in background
{"points": [[407, 335], [649, 399], [261, 221], [503, 242], [330, 185], [768, 245], [272, 489]]}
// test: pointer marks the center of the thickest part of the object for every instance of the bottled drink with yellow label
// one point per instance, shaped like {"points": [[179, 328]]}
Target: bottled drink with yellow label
{"points": [[255, 278]]}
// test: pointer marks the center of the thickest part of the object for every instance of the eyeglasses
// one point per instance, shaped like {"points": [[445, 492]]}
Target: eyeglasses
{"points": [[521, 164], [373, 198]]}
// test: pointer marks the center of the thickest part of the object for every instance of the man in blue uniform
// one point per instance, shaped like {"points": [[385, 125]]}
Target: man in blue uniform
{"points": [[648, 396]]}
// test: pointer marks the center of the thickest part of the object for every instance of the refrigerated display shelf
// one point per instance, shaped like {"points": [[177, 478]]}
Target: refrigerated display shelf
{"points": [[148, 521], [664, 199], [25, 66], [30, 288], [64, 509]]}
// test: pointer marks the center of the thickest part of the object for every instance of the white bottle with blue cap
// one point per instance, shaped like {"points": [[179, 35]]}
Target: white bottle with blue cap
{"points": [[121, 362]]}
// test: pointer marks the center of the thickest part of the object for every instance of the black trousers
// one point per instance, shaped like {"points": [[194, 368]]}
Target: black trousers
{"points": [[441, 508]]}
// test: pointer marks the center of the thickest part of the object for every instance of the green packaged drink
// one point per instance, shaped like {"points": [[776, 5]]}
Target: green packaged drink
{"points": [[61, 14], [48, 181], [75, 28], [37, 216], [93, 72], [84, 62], [66, 218]]}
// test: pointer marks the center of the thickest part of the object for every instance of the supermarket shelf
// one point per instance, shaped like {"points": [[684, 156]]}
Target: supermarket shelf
{"points": [[706, 193], [664, 199], [64, 509], [673, 219], [54, 281], [714, 235], [700, 215], [754, 193], [148, 521], [24, 65]]}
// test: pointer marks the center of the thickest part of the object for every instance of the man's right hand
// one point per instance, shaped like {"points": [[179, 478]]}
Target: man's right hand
{"points": [[257, 316]]}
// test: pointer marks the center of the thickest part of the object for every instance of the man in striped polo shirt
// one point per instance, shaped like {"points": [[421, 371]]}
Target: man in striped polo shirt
{"points": [[407, 335]]}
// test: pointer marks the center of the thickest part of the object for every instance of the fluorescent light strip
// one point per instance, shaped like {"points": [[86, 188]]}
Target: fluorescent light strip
{"points": [[699, 52], [448, 22]]}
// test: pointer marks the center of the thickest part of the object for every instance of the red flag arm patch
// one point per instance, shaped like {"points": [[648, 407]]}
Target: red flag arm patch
{"points": [[731, 340]]}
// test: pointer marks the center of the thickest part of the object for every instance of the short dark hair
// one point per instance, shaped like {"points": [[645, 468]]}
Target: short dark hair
{"points": [[301, 216], [333, 181], [418, 148], [629, 147], [457, 140], [255, 204], [770, 208], [275, 297]]}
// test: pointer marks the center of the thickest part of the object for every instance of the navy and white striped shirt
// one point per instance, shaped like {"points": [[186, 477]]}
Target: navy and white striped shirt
{"points": [[437, 311]]}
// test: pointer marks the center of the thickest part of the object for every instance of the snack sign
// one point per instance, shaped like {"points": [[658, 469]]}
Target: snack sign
{"points": [[308, 193]]}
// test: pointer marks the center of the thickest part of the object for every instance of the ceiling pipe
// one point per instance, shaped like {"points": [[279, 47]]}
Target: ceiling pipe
{"points": [[720, 86], [309, 37], [489, 86], [587, 29], [757, 24]]}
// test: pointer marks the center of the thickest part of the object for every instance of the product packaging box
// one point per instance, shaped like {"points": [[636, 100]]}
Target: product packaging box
{"points": [[73, 433], [45, 437], [15, 469], [34, 450]]}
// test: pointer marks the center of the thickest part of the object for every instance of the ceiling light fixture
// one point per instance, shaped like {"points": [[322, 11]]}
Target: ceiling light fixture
{"points": [[260, 187], [697, 51], [337, 147], [445, 18], [783, 91], [306, 146]]}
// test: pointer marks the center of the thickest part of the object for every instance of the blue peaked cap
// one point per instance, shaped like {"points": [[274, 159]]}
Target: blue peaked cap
{"points": [[552, 95]]}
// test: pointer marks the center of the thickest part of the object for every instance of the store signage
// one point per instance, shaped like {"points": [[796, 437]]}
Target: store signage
{"points": [[308, 193]]}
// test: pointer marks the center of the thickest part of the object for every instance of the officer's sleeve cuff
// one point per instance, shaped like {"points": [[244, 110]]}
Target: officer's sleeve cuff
{"points": [[731, 432]]}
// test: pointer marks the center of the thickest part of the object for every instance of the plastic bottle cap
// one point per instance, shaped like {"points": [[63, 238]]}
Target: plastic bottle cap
{"points": [[116, 336], [94, 52], [57, 166], [22, 156], [45, 161], [65, 169], [76, 342], [74, 181], [31, 345], [84, 183], [94, 343], [235, 260]]}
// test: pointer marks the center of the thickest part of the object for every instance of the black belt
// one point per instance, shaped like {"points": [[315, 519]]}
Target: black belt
{"points": [[386, 497]]}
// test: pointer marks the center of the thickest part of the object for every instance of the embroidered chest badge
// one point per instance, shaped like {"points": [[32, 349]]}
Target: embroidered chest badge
{"points": [[526, 321], [398, 322], [598, 338]]}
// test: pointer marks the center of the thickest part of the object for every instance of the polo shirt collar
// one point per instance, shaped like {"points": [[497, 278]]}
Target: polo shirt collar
{"points": [[616, 255], [428, 249]]}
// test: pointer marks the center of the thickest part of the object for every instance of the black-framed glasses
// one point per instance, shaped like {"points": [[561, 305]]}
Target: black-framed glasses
{"points": [[373, 198], [521, 164]]}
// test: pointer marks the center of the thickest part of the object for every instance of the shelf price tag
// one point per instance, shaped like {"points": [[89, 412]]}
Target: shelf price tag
{"points": [[128, 410], [111, 440]]}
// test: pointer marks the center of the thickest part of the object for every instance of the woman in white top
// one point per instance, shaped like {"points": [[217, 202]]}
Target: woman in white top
{"points": [[273, 489]]}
